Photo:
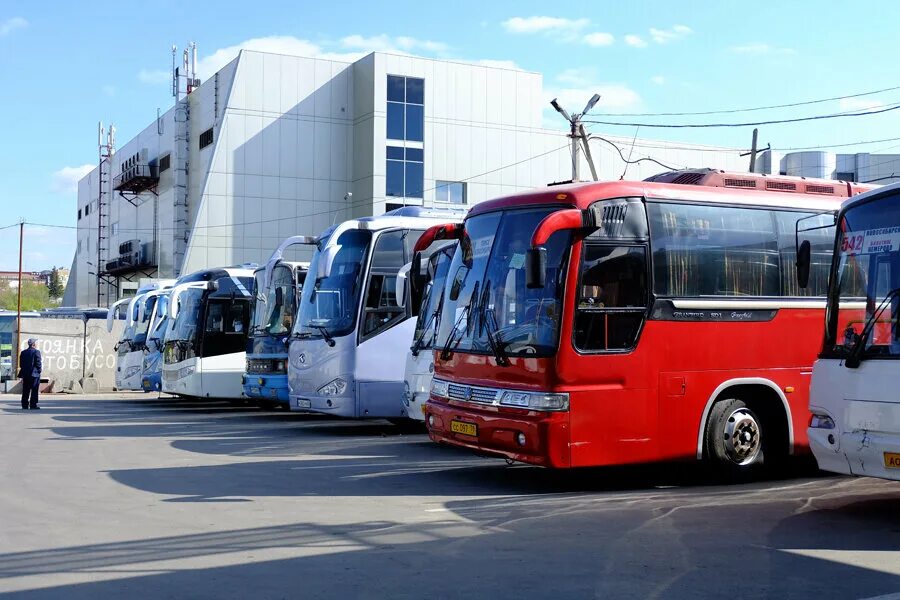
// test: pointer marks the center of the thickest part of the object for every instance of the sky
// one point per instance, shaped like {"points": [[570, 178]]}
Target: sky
{"points": [[66, 65]]}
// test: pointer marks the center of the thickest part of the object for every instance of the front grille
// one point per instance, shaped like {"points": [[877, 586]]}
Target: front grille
{"points": [[259, 366], [471, 393]]}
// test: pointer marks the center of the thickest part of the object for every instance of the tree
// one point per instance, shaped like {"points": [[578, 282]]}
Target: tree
{"points": [[34, 296], [54, 287]]}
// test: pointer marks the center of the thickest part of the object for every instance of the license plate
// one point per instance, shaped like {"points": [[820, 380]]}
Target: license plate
{"points": [[464, 428], [274, 393], [301, 403], [892, 460]]}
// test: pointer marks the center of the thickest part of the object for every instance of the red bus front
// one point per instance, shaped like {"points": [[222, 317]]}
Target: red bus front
{"points": [[667, 324]]}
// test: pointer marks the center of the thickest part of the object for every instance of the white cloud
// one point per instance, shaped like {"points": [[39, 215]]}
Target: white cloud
{"points": [[277, 44], [598, 39], [658, 79], [635, 41], [65, 181], [385, 43], [544, 25], [10, 25], [154, 76], [859, 104], [664, 36], [759, 49]]}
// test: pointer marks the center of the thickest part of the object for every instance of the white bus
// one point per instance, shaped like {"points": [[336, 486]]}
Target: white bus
{"points": [[132, 343], [349, 343], [432, 258], [151, 369], [204, 352], [855, 423]]}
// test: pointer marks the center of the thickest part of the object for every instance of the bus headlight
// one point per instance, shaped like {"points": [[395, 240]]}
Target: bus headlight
{"points": [[132, 371], [406, 395], [535, 401], [821, 422], [440, 388], [279, 367], [185, 371], [333, 388]]}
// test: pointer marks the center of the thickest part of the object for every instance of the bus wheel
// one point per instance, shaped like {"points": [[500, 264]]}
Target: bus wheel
{"points": [[734, 438]]}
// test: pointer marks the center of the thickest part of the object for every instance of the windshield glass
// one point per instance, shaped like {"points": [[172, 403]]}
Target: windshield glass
{"points": [[331, 302], [141, 325], [273, 311], [866, 278], [485, 288], [160, 319], [427, 323], [182, 334]]}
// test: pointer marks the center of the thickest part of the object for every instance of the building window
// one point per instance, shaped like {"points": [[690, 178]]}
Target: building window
{"points": [[405, 108], [206, 138], [845, 176], [115, 228], [405, 172], [451, 192], [87, 209], [79, 214], [166, 161]]}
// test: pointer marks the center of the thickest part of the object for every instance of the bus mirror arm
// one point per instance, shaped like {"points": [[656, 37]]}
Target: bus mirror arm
{"points": [[804, 258], [571, 219]]}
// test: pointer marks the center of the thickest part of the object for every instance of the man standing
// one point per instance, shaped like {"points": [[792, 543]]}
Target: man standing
{"points": [[30, 366]]}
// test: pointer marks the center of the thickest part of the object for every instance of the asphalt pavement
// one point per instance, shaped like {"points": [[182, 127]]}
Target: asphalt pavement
{"points": [[124, 496]]}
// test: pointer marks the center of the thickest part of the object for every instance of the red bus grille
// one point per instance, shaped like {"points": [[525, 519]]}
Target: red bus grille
{"points": [[784, 186], [812, 188], [470, 393], [740, 183]]}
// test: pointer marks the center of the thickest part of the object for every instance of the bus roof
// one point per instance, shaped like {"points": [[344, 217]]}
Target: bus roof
{"points": [[218, 273], [699, 185], [888, 190]]}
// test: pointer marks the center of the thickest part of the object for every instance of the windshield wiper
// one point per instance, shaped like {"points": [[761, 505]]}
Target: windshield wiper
{"points": [[854, 358], [489, 321], [446, 351], [325, 335], [419, 343]]}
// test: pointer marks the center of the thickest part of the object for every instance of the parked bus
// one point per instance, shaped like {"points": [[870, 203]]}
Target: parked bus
{"points": [[348, 347], [855, 423], [276, 298], [628, 322], [432, 255], [132, 342], [151, 371], [204, 352]]}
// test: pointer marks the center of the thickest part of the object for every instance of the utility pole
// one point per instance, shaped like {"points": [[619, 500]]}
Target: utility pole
{"points": [[753, 150], [576, 134], [15, 352]]}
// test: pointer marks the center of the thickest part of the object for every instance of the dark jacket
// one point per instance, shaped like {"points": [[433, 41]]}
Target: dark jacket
{"points": [[30, 363]]}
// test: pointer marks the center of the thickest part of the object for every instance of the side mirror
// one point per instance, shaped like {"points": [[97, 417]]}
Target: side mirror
{"points": [[536, 267], [804, 257], [326, 261], [400, 287]]}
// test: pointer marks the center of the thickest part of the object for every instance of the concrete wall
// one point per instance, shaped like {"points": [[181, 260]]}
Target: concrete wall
{"points": [[75, 352]]}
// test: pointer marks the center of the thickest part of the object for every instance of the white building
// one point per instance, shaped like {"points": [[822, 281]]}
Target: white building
{"points": [[273, 145], [862, 167]]}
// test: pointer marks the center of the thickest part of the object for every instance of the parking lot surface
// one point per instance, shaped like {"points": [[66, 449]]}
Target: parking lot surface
{"points": [[132, 496]]}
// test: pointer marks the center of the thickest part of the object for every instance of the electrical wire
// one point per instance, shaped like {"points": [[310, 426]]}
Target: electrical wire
{"points": [[628, 161], [753, 109], [747, 124]]}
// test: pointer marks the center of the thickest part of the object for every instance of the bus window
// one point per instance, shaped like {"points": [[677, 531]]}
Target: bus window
{"points": [[381, 308], [612, 299]]}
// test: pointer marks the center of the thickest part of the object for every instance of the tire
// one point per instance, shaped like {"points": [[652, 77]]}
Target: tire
{"points": [[735, 440]]}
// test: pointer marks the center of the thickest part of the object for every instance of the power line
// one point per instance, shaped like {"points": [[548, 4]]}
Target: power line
{"points": [[748, 124], [628, 161], [752, 109], [307, 215]]}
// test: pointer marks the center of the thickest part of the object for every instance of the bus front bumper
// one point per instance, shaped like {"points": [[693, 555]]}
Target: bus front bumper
{"points": [[861, 453], [267, 387], [152, 382], [533, 437]]}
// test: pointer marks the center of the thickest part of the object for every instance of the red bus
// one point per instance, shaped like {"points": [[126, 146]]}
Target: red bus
{"points": [[627, 322]]}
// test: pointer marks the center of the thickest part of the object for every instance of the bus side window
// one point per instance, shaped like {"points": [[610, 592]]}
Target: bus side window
{"points": [[381, 310], [612, 299]]}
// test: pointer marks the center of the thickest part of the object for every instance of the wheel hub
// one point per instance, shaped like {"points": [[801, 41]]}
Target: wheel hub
{"points": [[742, 437]]}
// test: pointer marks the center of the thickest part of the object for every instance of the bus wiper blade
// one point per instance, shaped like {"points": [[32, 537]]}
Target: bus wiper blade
{"points": [[300, 335], [447, 352], [419, 342], [489, 320], [854, 358], [325, 335]]}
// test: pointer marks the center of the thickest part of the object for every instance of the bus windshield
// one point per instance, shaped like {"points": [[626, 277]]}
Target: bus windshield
{"points": [[486, 296], [865, 295], [273, 311], [140, 327], [182, 334], [331, 302], [427, 323]]}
